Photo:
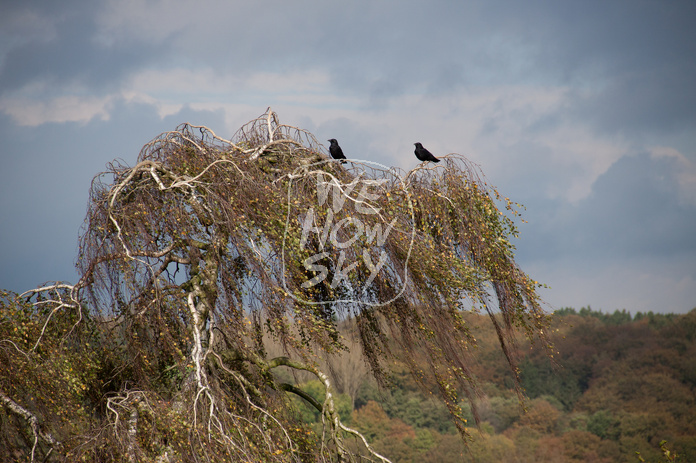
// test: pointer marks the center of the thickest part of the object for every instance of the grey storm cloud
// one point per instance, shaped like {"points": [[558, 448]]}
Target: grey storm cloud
{"points": [[629, 245], [616, 52], [548, 96], [72, 56], [634, 209], [628, 62]]}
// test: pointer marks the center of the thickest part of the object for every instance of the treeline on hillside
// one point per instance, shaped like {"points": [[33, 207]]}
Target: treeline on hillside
{"points": [[619, 317], [616, 387]]}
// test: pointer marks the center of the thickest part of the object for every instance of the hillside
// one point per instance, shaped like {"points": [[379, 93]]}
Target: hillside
{"points": [[616, 385]]}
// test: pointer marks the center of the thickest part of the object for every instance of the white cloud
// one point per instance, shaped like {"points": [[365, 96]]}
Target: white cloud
{"points": [[549, 112], [207, 84], [33, 112], [583, 155], [502, 128], [513, 131], [686, 173]]}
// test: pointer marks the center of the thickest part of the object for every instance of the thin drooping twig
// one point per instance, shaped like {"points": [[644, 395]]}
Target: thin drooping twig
{"points": [[205, 247]]}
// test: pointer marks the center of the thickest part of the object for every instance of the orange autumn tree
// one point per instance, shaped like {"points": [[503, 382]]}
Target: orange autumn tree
{"points": [[207, 249]]}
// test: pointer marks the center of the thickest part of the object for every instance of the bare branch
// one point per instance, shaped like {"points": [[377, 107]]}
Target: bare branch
{"points": [[207, 246], [328, 409], [33, 422]]}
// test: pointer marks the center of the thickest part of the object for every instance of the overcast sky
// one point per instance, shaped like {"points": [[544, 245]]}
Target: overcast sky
{"points": [[583, 111]]}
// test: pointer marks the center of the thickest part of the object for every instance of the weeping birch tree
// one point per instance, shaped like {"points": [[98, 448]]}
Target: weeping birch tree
{"points": [[206, 250]]}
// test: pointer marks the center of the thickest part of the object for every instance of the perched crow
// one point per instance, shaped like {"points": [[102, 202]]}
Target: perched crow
{"points": [[336, 151], [423, 154]]}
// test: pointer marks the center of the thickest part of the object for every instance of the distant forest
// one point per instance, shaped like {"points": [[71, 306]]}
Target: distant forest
{"points": [[614, 388], [611, 388]]}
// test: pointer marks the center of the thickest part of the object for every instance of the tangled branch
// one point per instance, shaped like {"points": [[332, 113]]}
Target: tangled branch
{"points": [[205, 249]]}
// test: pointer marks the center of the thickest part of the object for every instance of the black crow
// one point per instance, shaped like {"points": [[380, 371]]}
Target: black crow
{"points": [[336, 151], [423, 154]]}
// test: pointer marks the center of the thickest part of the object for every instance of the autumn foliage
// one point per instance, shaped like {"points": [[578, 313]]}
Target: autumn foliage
{"points": [[209, 253]]}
